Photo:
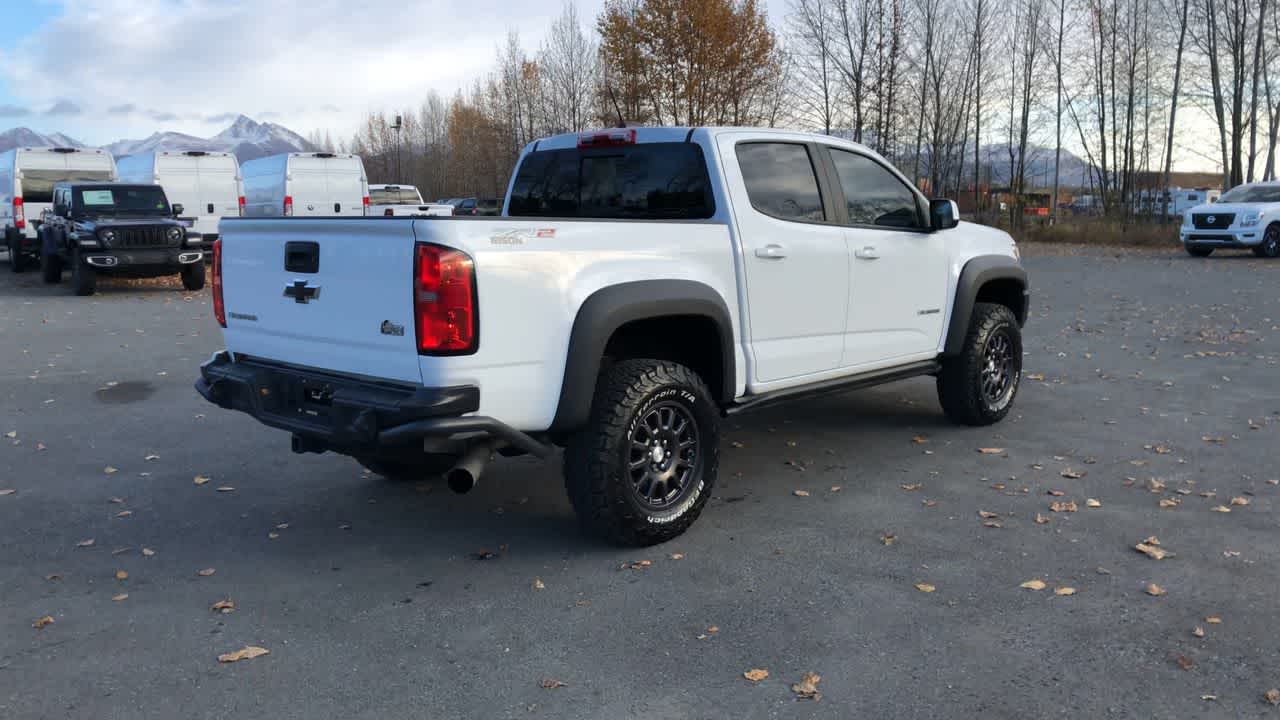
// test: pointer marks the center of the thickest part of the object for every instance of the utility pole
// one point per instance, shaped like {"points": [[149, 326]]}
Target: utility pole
{"points": [[397, 126]]}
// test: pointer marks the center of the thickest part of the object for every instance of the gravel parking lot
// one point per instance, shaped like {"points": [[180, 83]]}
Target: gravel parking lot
{"points": [[1151, 408]]}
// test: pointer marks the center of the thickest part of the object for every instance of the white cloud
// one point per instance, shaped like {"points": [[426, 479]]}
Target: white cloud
{"points": [[305, 63]]}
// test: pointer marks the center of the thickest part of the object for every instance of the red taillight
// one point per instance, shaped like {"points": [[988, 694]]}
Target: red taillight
{"points": [[388, 212], [288, 205], [19, 218], [219, 310], [607, 138], [241, 206], [364, 203], [444, 300]]}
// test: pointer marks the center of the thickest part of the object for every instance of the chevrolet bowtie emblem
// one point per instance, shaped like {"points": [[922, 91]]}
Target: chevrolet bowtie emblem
{"points": [[301, 292]]}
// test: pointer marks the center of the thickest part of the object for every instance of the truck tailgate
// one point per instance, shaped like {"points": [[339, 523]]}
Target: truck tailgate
{"points": [[327, 293]]}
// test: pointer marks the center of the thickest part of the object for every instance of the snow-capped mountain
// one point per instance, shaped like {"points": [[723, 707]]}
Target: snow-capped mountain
{"points": [[247, 139], [26, 137]]}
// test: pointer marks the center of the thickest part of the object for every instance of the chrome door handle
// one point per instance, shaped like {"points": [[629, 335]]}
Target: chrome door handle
{"points": [[866, 253], [771, 252]]}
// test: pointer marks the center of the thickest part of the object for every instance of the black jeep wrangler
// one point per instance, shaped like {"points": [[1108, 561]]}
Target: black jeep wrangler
{"points": [[118, 229]]}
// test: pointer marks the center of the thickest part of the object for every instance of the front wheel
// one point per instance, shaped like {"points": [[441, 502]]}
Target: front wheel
{"points": [[1270, 246], [193, 276], [1196, 251], [977, 386], [51, 267], [84, 279], [643, 468]]}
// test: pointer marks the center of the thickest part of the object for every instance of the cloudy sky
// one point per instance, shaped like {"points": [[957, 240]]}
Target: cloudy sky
{"points": [[99, 70]]}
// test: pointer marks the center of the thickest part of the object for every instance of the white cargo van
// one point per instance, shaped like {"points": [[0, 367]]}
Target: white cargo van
{"points": [[27, 176], [206, 184], [302, 184]]}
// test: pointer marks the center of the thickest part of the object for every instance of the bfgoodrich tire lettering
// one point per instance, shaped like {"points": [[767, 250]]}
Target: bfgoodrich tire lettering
{"points": [[977, 386], [642, 470]]}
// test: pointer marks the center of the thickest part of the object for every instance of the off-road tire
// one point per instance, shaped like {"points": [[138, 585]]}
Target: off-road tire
{"points": [[429, 466], [963, 381], [1196, 251], [598, 469], [193, 276], [51, 267], [84, 279], [1270, 246]]}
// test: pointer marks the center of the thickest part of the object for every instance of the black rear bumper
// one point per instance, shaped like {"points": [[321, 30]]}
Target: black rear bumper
{"points": [[348, 414]]}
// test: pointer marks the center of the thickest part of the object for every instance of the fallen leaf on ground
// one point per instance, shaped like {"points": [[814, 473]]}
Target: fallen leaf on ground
{"points": [[1208, 697], [1152, 550], [225, 606], [40, 623], [226, 488], [1154, 590], [538, 584], [919, 439], [1038, 377], [7, 491], [925, 587], [200, 480], [910, 487], [1073, 474], [120, 598], [990, 451], [987, 514], [1041, 519], [1056, 493], [636, 565], [756, 675], [122, 575], [110, 470], [677, 556], [124, 513], [206, 572], [1220, 509], [549, 684], [1064, 506], [887, 539], [152, 456], [1170, 502], [836, 488], [485, 554], [248, 652], [148, 552], [1213, 620], [1064, 591], [800, 493], [1184, 662], [1092, 503], [1198, 631], [1272, 696], [807, 688], [85, 543], [1240, 501], [11, 434], [1033, 585]]}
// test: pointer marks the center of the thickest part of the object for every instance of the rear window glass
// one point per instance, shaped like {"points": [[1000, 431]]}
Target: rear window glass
{"points": [[780, 180], [654, 181], [37, 185], [394, 196]]}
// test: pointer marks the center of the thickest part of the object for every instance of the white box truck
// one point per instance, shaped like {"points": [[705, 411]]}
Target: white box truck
{"points": [[27, 177], [305, 184], [206, 184]]}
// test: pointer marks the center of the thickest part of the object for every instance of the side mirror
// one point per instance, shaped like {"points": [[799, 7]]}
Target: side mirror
{"points": [[177, 209], [944, 214]]}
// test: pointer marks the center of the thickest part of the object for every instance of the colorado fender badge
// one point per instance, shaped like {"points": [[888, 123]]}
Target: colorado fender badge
{"points": [[390, 328]]}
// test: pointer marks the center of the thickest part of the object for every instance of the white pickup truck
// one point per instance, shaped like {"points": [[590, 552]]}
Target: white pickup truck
{"points": [[402, 201], [641, 284]]}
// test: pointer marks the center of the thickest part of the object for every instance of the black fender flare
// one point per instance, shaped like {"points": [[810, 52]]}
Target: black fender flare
{"points": [[608, 309], [979, 271]]}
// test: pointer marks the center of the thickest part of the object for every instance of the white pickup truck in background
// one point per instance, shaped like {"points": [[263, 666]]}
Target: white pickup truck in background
{"points": [[643, 283], [402, 201]]}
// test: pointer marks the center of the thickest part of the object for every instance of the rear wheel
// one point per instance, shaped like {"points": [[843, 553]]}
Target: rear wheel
{"points": [[84, 279], [1197, 251], [643, 468], [1270, 246], [51, 267], [17, 261], [428, 465], [977, 386], [193, 276]]}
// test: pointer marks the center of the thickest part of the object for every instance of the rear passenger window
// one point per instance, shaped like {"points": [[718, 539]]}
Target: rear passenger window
{"points": [[874, 195], [781, 181], [649, 181]]}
